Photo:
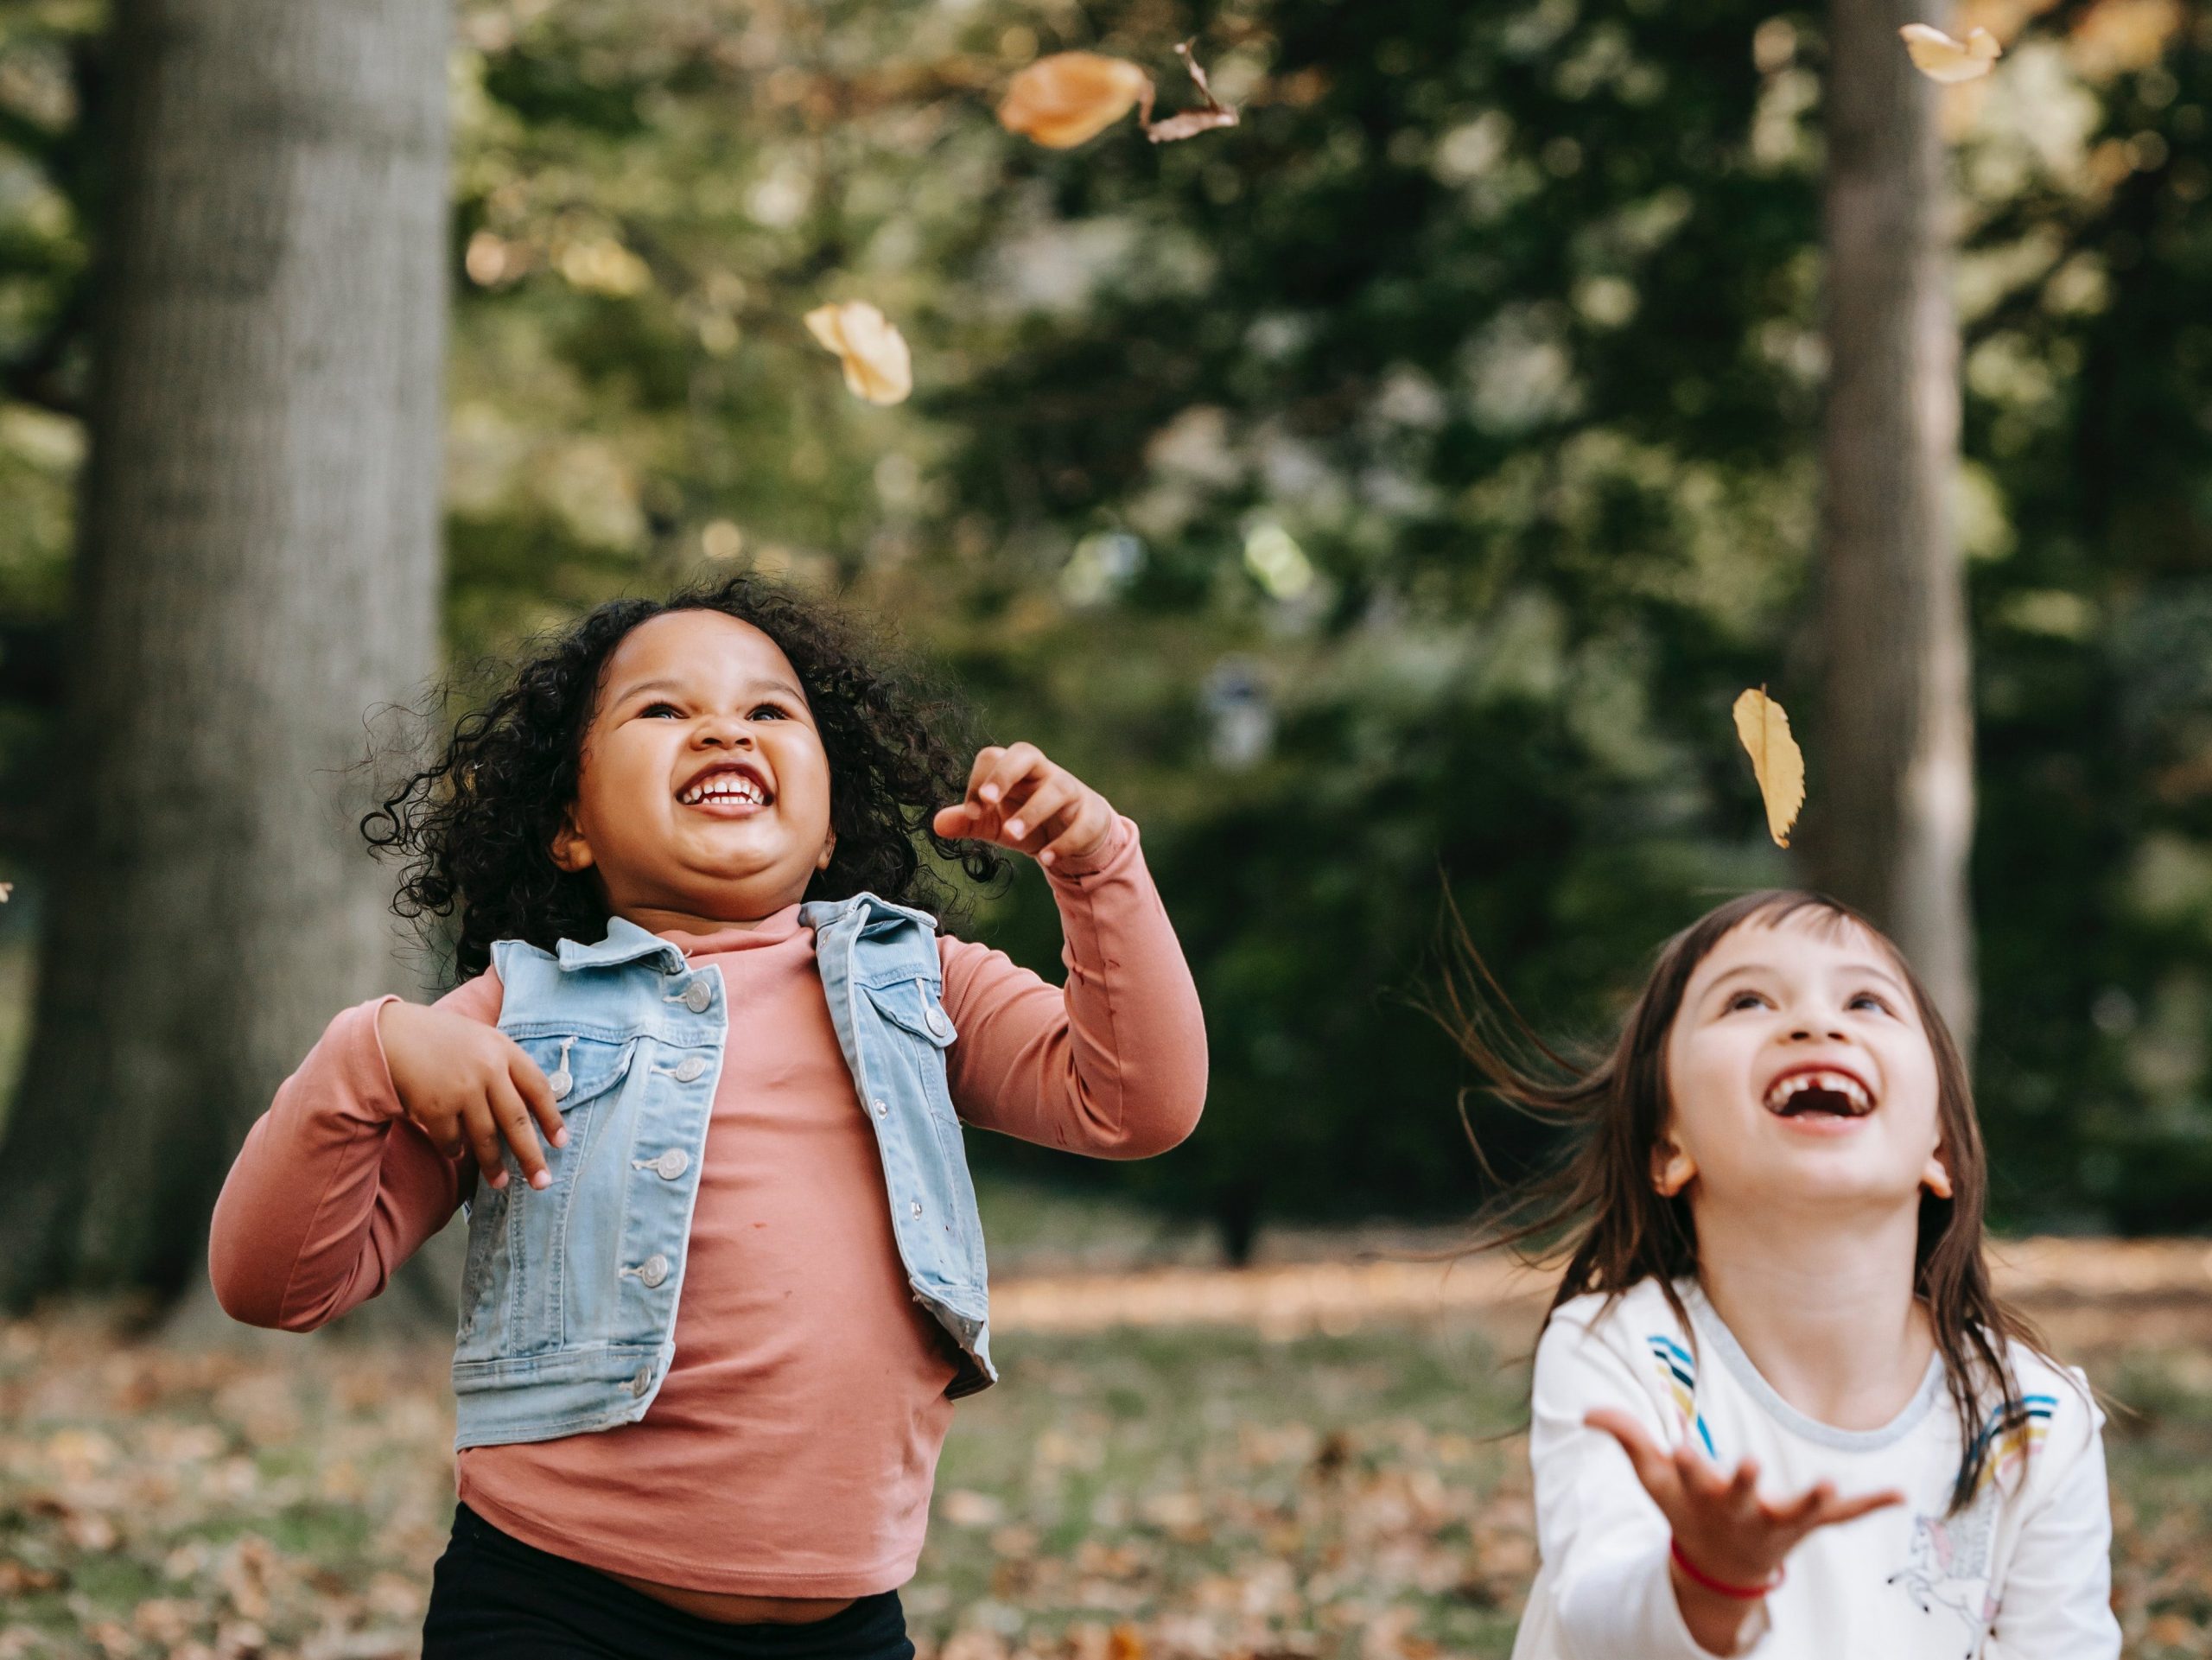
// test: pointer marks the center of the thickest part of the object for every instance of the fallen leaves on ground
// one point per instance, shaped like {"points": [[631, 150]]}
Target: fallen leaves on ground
{"points": [[1143, 1486]]}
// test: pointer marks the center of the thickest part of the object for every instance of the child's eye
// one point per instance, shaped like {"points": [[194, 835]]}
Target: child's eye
{"points": [[1744, 999], [651, 708], [1870, 997], [774, 708]]}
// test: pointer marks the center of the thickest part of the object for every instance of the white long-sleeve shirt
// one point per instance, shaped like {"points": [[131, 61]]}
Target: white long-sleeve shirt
{"points": [[2022, 1573]]}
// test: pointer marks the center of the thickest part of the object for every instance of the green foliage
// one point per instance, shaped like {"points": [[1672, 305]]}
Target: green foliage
{"points": [[1389, 494]]}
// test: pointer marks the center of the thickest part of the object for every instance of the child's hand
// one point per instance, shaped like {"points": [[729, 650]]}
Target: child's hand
{"points": [[1723, 1526], [466, 1084], [1018, 800]]}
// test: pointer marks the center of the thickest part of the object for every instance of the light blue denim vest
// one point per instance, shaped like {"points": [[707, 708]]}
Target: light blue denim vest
{"points": [[567, 1302]]}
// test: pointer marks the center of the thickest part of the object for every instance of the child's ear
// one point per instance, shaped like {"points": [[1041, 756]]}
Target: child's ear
{"points": [[1672, 1168], [571, 849], [1936, 1177], [829, 848]]}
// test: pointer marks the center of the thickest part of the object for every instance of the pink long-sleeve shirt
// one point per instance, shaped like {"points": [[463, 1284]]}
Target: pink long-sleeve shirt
{"points": [[793, 1446]]}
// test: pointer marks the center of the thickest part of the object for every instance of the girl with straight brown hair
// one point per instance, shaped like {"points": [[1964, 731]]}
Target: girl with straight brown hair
{"points": [[1778, 1407]]}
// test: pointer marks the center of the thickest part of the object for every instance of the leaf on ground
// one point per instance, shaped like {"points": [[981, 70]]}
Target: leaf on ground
{"points": [[1070, 98], [1939, 58], [1779, 765], [878, 366]]}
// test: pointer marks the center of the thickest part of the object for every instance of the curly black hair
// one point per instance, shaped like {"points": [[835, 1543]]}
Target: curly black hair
{"points": [[476, 824]]}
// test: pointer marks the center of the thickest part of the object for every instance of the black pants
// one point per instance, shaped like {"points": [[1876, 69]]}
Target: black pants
{"points": [[494, 1597]]}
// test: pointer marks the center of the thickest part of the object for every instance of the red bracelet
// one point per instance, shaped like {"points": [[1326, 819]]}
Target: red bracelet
{"points": [[1698, 1576]]}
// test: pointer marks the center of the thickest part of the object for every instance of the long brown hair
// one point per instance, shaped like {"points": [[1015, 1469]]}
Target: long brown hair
{"points": [[1596, 1207]]}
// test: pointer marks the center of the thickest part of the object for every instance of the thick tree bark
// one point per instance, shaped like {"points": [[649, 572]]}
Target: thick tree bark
{"points": [[258, 568], [1896, 755]]}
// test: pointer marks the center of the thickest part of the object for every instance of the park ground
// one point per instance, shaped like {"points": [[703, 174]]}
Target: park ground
{"points": [[1316, 1458]]}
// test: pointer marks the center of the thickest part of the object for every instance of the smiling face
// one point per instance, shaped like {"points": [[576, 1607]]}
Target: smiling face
{"points": [[703, 799], [1799, 1072]]}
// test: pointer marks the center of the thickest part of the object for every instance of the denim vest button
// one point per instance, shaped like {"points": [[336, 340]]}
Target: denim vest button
{"points": [[671, 1164], [882, 1111], [917, 1208], [934, 1016], [643, 1381], [687, 1069], [655, 1270], [560, 1084], [697, 996]]}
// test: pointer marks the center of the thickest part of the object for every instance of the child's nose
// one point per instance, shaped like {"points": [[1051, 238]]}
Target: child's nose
{"points": [[728, 729]]}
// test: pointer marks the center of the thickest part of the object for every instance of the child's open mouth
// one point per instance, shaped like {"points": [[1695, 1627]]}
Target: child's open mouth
{"points": [[727, 791], [1824, 1091]]}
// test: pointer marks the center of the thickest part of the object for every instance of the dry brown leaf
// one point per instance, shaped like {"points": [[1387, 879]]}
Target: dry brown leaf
{"points": [[1763, 728], [1939, 58], [1191, 122], [1069, 97], [878, 366]]}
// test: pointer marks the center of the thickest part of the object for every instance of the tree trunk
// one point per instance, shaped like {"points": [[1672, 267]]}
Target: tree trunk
{"points": [[257, 568], [1896, 764]]}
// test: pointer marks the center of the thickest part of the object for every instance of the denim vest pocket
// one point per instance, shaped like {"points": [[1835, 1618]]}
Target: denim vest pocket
{"points": [[913, 1008], [519, 1237]]}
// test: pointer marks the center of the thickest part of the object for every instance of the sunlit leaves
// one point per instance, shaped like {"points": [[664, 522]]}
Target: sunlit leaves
{"points": [[1779, 765], [1939, 58], [878, 366], [1072, 97]]}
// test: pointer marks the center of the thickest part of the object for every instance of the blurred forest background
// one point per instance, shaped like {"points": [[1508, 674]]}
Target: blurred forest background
{"points": [[1383, 501], [1388, 495]]}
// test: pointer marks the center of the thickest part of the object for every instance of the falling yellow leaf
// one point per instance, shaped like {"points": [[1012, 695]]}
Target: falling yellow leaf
{"points": [[1063, 100], [1939, 57], [878, 366], [6, 889], [1763, 726]]}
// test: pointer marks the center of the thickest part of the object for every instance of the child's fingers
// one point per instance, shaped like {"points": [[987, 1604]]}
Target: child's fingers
{"points": [[1701, 1479], [1803, 1510], [1006, 780], [1743, 1486], [483, 1134], [1850, 1509], [531, 1082], [1061, 839], [1653, 1467], [1046, 813], [514, 1123]]}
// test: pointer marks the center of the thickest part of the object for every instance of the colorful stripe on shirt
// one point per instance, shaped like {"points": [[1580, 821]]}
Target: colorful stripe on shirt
{"points": [[1678, 1372], [2010, 1431]]}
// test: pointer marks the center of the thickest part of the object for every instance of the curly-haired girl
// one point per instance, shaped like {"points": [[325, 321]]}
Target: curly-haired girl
{"points": [[712, 1321]]}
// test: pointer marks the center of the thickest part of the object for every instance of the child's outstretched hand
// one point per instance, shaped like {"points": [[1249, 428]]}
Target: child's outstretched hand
{"points": [[467, 1085], [1019, 799], [1728, 1533]]}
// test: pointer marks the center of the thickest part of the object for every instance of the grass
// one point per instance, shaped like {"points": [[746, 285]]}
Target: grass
{"points": [[1195, 1492]]}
